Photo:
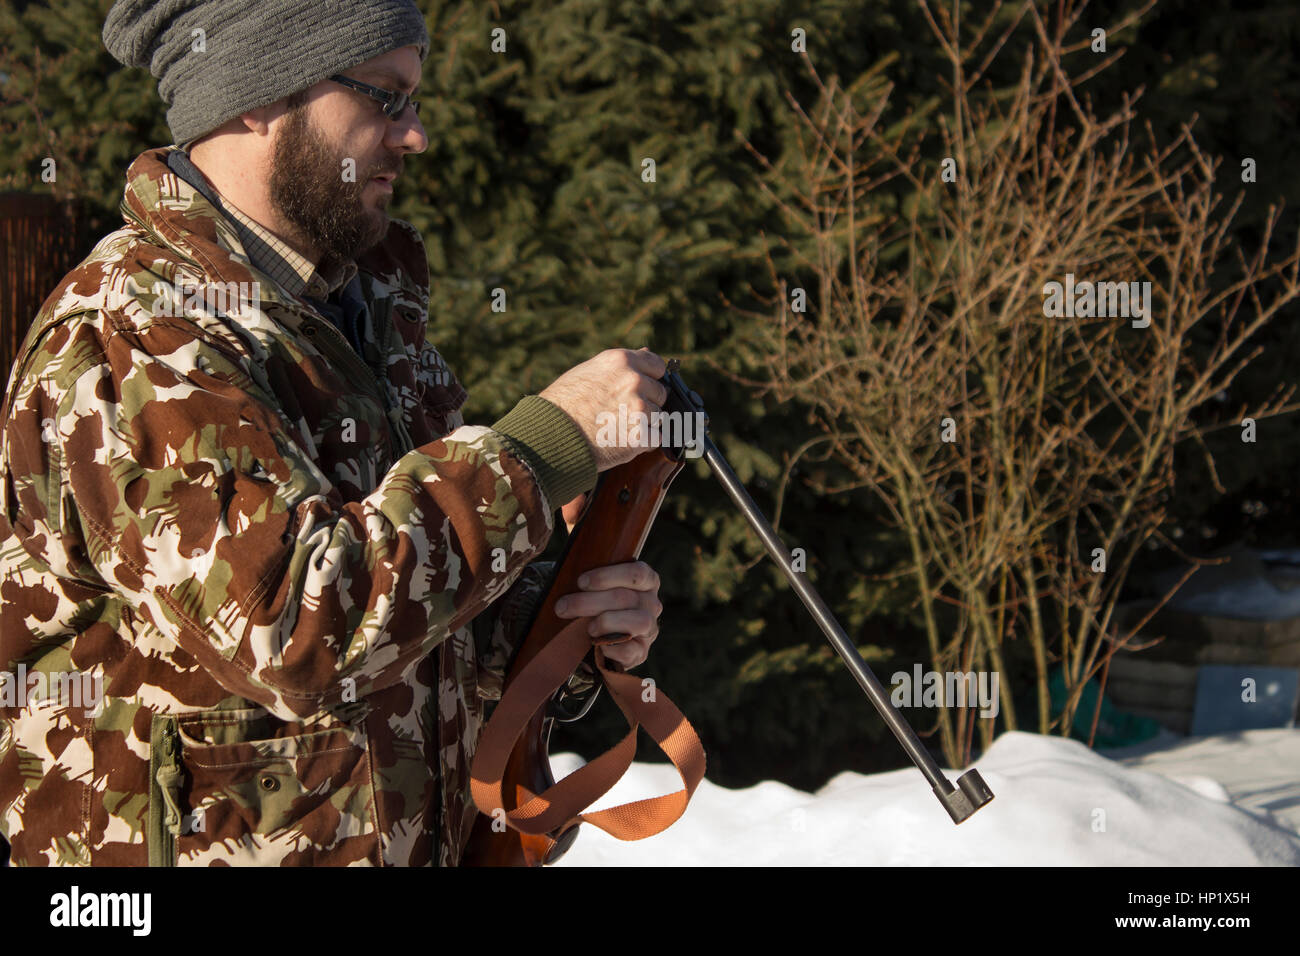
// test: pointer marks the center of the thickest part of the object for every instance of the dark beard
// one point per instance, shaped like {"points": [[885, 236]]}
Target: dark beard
{"points": [[307, 188]]}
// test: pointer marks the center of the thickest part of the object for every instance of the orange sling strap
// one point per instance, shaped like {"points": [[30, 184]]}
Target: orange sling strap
{"points": [[561, 807]]}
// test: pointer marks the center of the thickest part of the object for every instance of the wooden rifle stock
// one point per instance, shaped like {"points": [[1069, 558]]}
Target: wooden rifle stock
{"points": [[612, 530]]}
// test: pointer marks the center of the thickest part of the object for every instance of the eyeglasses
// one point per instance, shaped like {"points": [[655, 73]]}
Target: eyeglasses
{"points": [[395, 102]]}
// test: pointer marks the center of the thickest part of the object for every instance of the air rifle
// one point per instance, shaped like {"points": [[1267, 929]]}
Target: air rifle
{"points": [[526, 818]]}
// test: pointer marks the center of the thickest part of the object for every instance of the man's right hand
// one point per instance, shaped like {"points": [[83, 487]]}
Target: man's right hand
{"points": [[614, 377]]}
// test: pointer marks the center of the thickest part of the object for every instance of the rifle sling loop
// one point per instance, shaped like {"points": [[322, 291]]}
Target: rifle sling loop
{"points": [[560, 807]]}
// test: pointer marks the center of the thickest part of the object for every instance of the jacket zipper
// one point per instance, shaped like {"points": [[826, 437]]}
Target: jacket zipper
{"points": [[165, 776]]}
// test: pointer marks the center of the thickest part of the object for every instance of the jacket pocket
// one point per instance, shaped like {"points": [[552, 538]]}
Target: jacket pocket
{"points": [[258, 791]]}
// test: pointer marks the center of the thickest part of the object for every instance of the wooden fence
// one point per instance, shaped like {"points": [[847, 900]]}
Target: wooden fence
{"points": [[40, 240]]}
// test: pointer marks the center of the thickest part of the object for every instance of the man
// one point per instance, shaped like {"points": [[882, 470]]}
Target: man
{"points": [[238, 494]]}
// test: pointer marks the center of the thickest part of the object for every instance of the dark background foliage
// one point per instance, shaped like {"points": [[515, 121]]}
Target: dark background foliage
{"points": [[532, 183]]}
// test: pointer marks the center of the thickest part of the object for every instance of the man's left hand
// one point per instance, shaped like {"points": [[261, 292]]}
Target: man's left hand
{"points": [[621, 599]]}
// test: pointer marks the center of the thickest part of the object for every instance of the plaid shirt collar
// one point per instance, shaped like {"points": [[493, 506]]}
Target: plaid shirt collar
{"points": [[286, 266]]}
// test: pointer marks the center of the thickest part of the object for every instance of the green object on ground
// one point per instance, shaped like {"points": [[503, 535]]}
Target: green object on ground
{"points": [[1115, 728]]}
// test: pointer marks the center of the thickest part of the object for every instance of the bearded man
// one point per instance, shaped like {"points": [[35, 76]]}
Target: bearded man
{"points": [[237, 490]]}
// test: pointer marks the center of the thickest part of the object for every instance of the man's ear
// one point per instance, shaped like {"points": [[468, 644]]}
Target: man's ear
{"points": [[258, 120]]}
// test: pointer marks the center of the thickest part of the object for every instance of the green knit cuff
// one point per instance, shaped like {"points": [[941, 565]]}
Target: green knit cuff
{"points": [[551, 443]]}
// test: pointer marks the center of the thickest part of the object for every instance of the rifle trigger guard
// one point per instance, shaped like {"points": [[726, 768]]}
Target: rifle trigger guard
{"points": [[565, 708]]}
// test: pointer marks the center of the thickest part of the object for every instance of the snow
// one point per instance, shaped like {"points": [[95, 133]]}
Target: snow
{"points": [[1258, 770], [1232, 800]]}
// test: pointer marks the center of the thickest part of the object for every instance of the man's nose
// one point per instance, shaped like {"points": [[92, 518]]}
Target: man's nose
{"points": [[407, 133]]}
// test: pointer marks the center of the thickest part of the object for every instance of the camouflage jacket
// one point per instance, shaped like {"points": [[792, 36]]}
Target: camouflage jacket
{"points": [[286, 577]]}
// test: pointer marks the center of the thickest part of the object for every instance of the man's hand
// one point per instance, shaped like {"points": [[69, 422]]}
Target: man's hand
{"points": [[600, 385], [573, 511], [622, 599]]}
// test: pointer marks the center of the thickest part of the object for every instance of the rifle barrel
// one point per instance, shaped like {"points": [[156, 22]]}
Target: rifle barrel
{"points": [[971, 792]]}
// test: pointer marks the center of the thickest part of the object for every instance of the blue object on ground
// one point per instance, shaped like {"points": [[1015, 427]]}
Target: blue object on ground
{"points": [[1220, 690]]}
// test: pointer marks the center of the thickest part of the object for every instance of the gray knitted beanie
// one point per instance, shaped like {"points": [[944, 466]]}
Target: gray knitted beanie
{"points": [[216, 59]]}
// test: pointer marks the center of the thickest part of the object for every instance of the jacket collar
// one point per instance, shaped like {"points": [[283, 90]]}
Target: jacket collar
{"points": [[184, 221]]}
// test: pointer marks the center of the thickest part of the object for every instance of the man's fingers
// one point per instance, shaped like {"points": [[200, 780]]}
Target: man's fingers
{"points": [[654, 392], [591, 603], [635, 574], [643, 360], [620, 599], [628, 654], [638, 622]]}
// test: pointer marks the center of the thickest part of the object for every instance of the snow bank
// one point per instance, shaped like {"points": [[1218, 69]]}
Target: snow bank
{"points": [[1258, 770], [1057, 804]]}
